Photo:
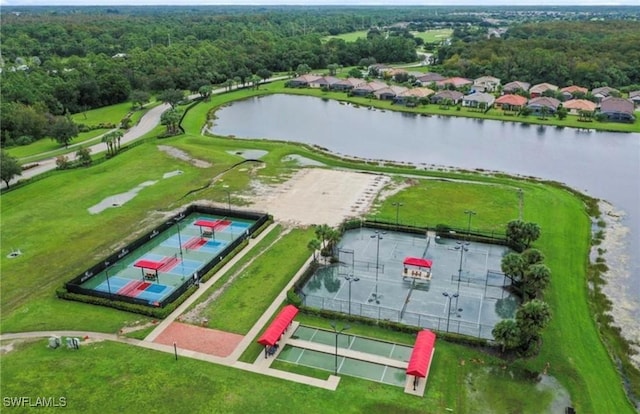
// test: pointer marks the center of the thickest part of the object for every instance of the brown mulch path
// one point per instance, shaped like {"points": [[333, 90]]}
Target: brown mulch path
{"points": [[199, 339]]}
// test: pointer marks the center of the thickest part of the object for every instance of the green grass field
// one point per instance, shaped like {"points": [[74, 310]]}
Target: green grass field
{"points": [[428, 36], [432, 36], [48, 220]]}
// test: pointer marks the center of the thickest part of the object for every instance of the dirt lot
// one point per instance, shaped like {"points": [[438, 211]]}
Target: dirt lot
{"points": [[320, 196]]}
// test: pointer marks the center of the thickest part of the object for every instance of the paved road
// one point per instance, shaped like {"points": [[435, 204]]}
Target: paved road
{"points": [[147, 123]]}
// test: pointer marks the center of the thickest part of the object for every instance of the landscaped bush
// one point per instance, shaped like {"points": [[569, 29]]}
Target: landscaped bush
{"points": [[159, 313]]}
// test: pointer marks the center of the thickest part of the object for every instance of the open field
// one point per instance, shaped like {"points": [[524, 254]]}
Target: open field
{"points": [[432, 36], [49, 222]]}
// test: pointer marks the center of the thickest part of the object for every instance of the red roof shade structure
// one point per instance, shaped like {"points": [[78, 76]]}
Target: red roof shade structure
{"points": [[278, 326], [416, 261], [422, 354], [212, 224], [149, 264]]}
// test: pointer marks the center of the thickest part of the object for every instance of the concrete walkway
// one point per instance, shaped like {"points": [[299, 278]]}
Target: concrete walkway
{"points": [[204, 287]]}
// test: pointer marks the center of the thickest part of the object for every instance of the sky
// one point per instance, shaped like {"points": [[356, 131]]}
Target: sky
{"points": [[319, 2]]}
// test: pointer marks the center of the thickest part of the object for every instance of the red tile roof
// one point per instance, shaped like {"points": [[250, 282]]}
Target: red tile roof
{"points": [[513, 100]]}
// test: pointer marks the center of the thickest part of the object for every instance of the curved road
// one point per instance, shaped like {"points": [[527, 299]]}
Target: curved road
{"points": [[148, 121]]}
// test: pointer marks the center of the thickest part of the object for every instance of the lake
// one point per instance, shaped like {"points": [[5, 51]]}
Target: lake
{"points": [[602, 164]]}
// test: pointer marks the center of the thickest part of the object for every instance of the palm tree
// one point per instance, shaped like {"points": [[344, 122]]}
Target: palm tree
{"points": [[535, 280], [108, 140], [513, 266], [532, 318], [507, 334], [314, 245]]}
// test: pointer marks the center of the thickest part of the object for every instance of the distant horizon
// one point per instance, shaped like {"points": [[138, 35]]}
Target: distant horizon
{"points": [[479, 3]]}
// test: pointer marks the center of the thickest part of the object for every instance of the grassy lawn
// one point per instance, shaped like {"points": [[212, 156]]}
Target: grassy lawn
{"points": [[47, 148], [48, 220], [242, 304], [432, 36], [111, 114], [348, 37], [112, 377]]}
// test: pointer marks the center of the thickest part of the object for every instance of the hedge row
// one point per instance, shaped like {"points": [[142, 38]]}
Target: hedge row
{"points": [[154, 312]]}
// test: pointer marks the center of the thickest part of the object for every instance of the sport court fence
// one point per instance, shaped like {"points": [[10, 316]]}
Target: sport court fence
{"points": [[487, 236], [74, 285], [451, 324]]}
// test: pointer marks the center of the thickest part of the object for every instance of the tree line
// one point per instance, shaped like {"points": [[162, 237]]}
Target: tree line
{"points": [[585, 53]]}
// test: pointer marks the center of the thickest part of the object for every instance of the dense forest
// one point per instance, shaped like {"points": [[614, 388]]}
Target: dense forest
{"points": [[60, 60], [589, 54]]}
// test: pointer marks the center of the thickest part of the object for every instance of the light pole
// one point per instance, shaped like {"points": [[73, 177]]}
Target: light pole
{"points": [[224, 188], [463, 247], [449, 297], [350, 279], [397, 205], [177, 222], [106, 272], [337, 332], [470, 213], [378, 237]]}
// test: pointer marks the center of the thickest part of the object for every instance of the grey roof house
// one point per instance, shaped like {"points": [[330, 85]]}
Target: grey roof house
{"points": [[617, 109]]}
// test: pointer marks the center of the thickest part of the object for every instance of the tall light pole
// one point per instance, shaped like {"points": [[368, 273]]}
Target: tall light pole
{"points": [[449, 297], [106, 272], [225, 189], [463, 247], [337, 332], [397, 205], [470, 213], [177, 222], [378, 237], [350, 279]]}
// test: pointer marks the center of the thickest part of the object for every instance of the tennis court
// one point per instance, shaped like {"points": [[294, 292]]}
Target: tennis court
{"points": [[382, 291], [171, 258]]}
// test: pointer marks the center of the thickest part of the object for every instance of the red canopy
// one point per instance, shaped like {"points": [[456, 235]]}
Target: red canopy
{"points": [[149, 264], [416, 261], [278, 326], [212, 224], [422, 353]]}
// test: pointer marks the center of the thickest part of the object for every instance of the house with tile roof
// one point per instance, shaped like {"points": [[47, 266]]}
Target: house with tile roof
{"points": [[486, 84], [569, 92], [537, 90], [576, 106], [511, 102], [515, 86], [478, 100], [617, 109], [536, 104]]}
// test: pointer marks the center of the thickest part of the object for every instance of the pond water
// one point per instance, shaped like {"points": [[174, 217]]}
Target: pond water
{"points": [[603, 164]]}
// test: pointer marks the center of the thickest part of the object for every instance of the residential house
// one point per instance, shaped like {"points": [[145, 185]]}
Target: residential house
{"points": [[453, 96], [486, 84], [428, 78], [389, 93], [575, 106], [511, 102], [515, 86], [347, 84], [365, 89], [537, 90], [377, 69], [418, 93], [635, 97], [569, 92], [604, 92], [617, 109], [302, 81], [453, 83], [478, 100], [324, 82], [536, 104]]}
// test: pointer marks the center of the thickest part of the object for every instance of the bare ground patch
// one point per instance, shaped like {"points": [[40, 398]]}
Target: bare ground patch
{"points": [[319, 196], [181, 155]]}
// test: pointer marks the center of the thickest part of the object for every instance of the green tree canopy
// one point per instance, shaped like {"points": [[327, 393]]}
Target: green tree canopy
{"points": [[9, 167]]}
